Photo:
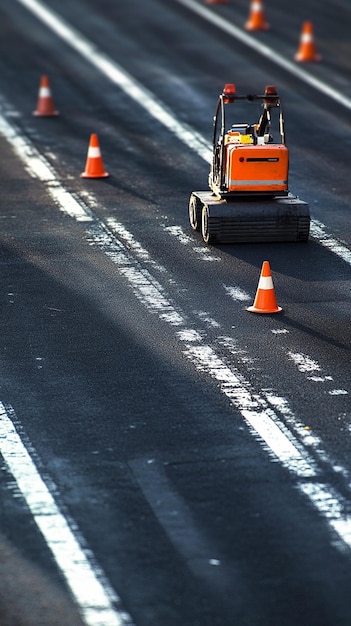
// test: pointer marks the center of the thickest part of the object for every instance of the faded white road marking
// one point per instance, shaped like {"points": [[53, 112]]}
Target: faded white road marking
{"points": [[97, 601], [207, 319], [318, 231], [304, 363], [205, 252], [132, 244], [157, 109], [237, 294], [309, 366]]}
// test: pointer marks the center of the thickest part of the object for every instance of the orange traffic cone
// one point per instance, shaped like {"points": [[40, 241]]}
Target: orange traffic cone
{"points": [[257, 19], [307, 48], [265, 300], [45, 105], [94, 167]]}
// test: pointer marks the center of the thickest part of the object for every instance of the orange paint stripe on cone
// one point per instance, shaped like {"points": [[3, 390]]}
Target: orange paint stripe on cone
{"points": [[307, 48], [257, 19], [265, 300], [94, 167], [45, 104]]}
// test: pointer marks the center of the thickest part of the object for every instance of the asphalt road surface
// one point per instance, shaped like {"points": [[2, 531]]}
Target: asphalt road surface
{"points": [[167, 457]]}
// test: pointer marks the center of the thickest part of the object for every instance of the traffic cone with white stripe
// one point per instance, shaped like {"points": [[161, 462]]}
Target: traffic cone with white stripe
{"points": [[94, 167], [265, 300], [45, 105], [257, 19], [307, 48]]}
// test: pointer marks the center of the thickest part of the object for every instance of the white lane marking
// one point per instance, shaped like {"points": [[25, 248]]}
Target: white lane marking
{"points": [[157, 109], [281, 406], [207, 319], [334, 509], [318, 231], [93, 594], [309, 366], [204, 251], [266, 51], [237, 294], [304, 363], [132, 244]]}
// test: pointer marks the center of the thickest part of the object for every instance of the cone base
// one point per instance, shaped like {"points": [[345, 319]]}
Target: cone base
{"points": [[249, 26], [300, 58], [86, 175], [253, 309], [50, 114]]}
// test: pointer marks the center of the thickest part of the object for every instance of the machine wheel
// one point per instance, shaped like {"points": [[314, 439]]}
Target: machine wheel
{"points": [[205, 226], [195, 207]]}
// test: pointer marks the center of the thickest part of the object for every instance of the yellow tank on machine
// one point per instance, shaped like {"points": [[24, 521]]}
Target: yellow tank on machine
{"points": [[249, 199]]}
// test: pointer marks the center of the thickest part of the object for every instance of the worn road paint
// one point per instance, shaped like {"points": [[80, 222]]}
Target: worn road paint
{"points": [[96, 600], [313, 371]]}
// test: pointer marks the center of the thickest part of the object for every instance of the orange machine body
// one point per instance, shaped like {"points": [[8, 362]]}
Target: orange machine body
{"points": [[256, 168]]}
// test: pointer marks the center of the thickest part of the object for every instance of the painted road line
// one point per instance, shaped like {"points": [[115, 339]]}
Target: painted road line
{"points": [[157, 109], [237, 294], [133, 245], [97, 601], [205, 252], [280, 405], [266, 51], [340, 249], [313, 371]]}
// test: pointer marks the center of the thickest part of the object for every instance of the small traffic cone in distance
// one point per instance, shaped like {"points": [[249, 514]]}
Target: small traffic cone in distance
{"points": [[94, 167], [257, 19], [307, 48], [265, 300], [45, 105]]}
